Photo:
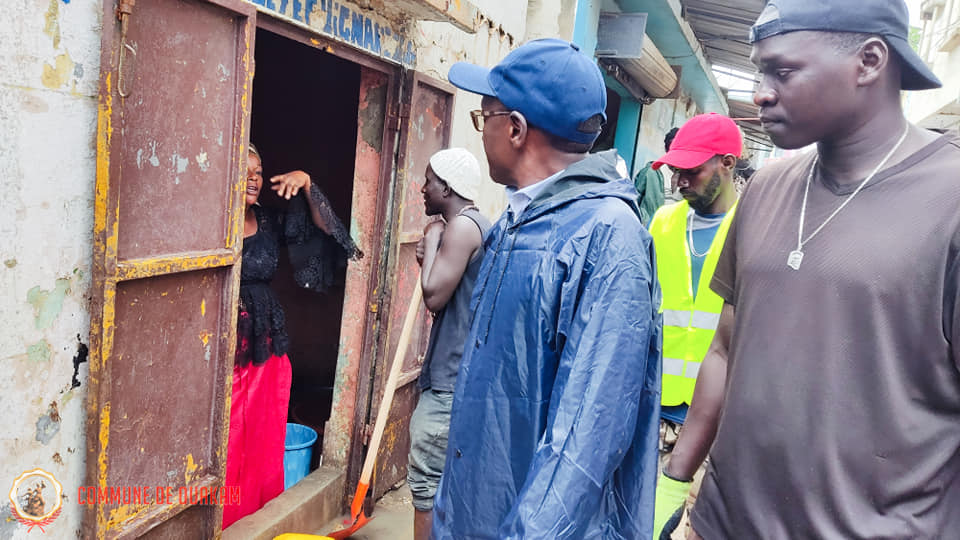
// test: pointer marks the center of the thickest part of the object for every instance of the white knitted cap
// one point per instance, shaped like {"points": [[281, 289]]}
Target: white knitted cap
{"points": [[459, 169]]}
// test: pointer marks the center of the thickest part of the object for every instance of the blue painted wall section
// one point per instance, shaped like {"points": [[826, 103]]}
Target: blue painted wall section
{"points": [[345, 23], [628, 123], [585, 25]]}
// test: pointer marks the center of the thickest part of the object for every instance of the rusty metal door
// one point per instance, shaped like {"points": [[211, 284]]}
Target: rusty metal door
{"points": [[425, 116], [171, 137]]}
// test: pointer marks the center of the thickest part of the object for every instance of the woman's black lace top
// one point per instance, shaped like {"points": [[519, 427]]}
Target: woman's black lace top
{"points": [[262, 331], [317, 260]]}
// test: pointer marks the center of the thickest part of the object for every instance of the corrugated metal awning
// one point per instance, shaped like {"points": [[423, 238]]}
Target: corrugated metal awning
{"points": [[723, 31], [755, 137]]}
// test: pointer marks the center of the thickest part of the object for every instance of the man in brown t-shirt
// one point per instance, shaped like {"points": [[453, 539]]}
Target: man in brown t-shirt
{"points": [[840, 338]]}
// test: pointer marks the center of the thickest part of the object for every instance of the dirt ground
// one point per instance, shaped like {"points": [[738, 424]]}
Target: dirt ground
{"points": [[392, 518]]}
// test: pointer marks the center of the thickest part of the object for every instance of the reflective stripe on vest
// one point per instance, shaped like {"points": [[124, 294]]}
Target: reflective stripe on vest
{"points": [[688, 323], [697, 319], [679, 368]]}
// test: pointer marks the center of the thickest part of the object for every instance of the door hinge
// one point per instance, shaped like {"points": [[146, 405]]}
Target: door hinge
{"points": [[397, 118], [124, 9], [367, 433]]}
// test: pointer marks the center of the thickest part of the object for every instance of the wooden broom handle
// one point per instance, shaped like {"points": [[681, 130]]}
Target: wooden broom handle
{"points": [[391, 386]]}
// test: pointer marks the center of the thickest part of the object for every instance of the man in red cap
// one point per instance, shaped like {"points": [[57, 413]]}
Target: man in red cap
{"points": [[688, 237]]}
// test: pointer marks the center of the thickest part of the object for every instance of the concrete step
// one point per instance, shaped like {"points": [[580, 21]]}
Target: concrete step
{"points": [[304, 507]]}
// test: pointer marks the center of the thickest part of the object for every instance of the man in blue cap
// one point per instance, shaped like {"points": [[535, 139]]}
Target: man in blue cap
{"points": [[555, 414], [837, 356]]}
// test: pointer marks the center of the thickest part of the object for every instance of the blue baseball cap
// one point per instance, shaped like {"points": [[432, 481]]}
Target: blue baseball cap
{"points": [[549, 81], [886, 18]]}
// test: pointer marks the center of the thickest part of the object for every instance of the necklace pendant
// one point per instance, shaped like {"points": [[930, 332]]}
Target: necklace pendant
{"points": [[795, 258]]}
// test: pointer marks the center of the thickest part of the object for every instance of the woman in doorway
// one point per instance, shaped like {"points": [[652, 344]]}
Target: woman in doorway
{"points": [[262, 373]]}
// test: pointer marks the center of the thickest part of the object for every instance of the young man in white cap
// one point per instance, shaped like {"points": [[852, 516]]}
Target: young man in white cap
{"points": [[837, 357], [555, 417], [449, 255]]}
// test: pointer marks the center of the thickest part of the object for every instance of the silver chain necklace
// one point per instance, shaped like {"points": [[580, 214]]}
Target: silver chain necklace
{"points": [[796, 256], [693, 249]]}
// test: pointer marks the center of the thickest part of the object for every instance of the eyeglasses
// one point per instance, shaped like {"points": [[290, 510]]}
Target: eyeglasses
{"points": [[479, 116]]}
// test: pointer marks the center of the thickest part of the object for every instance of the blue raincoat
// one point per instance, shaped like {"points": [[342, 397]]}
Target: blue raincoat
{"points": [[555, 418]]}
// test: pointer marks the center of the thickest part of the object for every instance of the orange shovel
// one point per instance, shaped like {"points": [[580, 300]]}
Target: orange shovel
{"points": [[357, 517]]}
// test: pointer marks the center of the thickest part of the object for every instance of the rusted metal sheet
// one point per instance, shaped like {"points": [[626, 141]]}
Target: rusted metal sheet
{"points": [[169, 264], [169, 346], [182, 528], [172, 127], [425, 121], [359, 306]]}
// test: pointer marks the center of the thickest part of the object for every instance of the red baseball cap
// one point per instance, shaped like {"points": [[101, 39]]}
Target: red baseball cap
{"points": [[701, 138]]}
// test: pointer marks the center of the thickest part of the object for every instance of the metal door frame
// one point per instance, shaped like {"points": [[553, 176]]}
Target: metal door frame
{"points": [[378, 286]]}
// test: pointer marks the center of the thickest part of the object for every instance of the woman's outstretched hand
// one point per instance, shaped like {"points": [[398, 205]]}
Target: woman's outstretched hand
{"points": [[289, 184]]}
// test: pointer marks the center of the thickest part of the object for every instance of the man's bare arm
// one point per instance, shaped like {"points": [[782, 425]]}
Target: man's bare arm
{"points": [[445, 259]]}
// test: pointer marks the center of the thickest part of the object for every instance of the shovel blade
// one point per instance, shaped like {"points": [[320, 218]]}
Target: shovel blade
{"points": [[343, 534], [357, 518]]}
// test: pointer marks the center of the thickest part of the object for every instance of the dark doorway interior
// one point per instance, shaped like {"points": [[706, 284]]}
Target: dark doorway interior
{"points": [[609, 134], [304, 116]]}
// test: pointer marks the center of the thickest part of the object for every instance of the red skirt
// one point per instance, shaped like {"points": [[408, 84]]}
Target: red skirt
{"points": [[258, 425]]}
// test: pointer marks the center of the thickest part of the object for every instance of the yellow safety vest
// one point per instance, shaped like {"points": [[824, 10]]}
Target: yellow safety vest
{"points": [[688, 324]]}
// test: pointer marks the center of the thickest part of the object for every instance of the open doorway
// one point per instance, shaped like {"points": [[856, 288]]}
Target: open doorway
{"points": [[304, 116], [609, 134]]}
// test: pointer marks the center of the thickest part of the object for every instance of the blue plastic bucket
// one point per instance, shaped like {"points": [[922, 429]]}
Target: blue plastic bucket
{"points": [[298, 449]]}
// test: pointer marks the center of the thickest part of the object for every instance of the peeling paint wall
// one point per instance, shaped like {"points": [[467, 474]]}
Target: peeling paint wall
{"points": [[550, 18], [49, 66], [657, 119], [503, 25]]}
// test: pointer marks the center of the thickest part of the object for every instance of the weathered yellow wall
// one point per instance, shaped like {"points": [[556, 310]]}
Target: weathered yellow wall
{"points": [[49, 68]]}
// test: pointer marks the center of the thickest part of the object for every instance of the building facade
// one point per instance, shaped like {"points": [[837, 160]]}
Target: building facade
{"points": [[696, 40], [939, 46]]}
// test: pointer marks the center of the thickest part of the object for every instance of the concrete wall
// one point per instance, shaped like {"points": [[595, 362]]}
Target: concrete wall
{"points": [[439, 45], [49, 68], [657, 119], [939, 108], [550, 18], [503, 25]]}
